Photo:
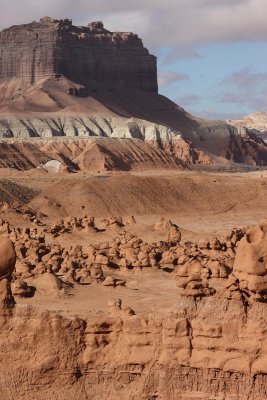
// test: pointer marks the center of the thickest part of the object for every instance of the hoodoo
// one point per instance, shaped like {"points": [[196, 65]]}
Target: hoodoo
{"points": [[132, 261]]}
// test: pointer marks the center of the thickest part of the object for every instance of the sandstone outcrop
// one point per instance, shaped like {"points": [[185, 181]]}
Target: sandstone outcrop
{"points": [[89, 55], [256, 122], [190, 351], [196, 265], [20, 288], [115, 309], [249, 278], [248, 148], [193, 263], [7, 258], [7, 300]]}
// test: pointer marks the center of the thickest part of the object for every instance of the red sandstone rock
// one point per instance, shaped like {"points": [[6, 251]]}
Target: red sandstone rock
{"points": [[7, 257]]}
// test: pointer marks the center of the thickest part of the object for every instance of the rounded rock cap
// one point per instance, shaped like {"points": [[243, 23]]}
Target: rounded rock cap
{"points": [[49, 20], [7, 257]]}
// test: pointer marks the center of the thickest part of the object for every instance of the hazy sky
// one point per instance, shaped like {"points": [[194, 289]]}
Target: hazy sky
{"points": [[212, 54]]}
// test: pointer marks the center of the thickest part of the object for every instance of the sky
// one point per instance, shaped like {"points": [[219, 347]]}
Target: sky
{"points": [[212, 54]]}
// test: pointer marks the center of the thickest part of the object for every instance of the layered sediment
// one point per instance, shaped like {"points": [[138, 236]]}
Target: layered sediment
{"points": [[58, 79], [166, 357], [89, 55]]}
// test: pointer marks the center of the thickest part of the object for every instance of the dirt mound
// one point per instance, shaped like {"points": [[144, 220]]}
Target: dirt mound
{"points": [[21, 155], [49, 284], [123, 155], [139, 195]]}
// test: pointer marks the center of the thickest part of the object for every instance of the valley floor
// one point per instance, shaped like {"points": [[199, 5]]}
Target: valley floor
{"points": [[107, 315]]}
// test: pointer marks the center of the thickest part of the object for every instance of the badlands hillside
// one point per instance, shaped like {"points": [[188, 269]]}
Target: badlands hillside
{"points": [[133, 235], [111, 91], [256, 122]]}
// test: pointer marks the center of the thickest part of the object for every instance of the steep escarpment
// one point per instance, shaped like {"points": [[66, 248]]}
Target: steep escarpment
{"points": [[247, 148], [179, 356], [256, 122], [49, 48], [57, 79]]}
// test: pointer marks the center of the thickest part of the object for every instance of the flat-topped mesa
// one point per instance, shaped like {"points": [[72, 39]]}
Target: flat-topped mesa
{"points": [[89, 55]]}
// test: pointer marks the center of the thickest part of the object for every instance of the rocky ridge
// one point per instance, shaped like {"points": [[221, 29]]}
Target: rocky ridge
{"points": [[98, 154], [187, 352], [240, 147], [256, 122]]}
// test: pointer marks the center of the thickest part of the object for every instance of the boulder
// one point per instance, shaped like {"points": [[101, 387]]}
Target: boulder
{"points": [[109, 281], [7, 257]]}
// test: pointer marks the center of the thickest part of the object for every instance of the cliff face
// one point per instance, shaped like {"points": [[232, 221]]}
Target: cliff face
{"points": [[256, 122], [90, 55], [192, 353], [89, 77]]}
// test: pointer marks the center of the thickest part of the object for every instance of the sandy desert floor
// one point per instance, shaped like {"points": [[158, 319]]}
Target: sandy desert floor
{"points": [[202, 204]]}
